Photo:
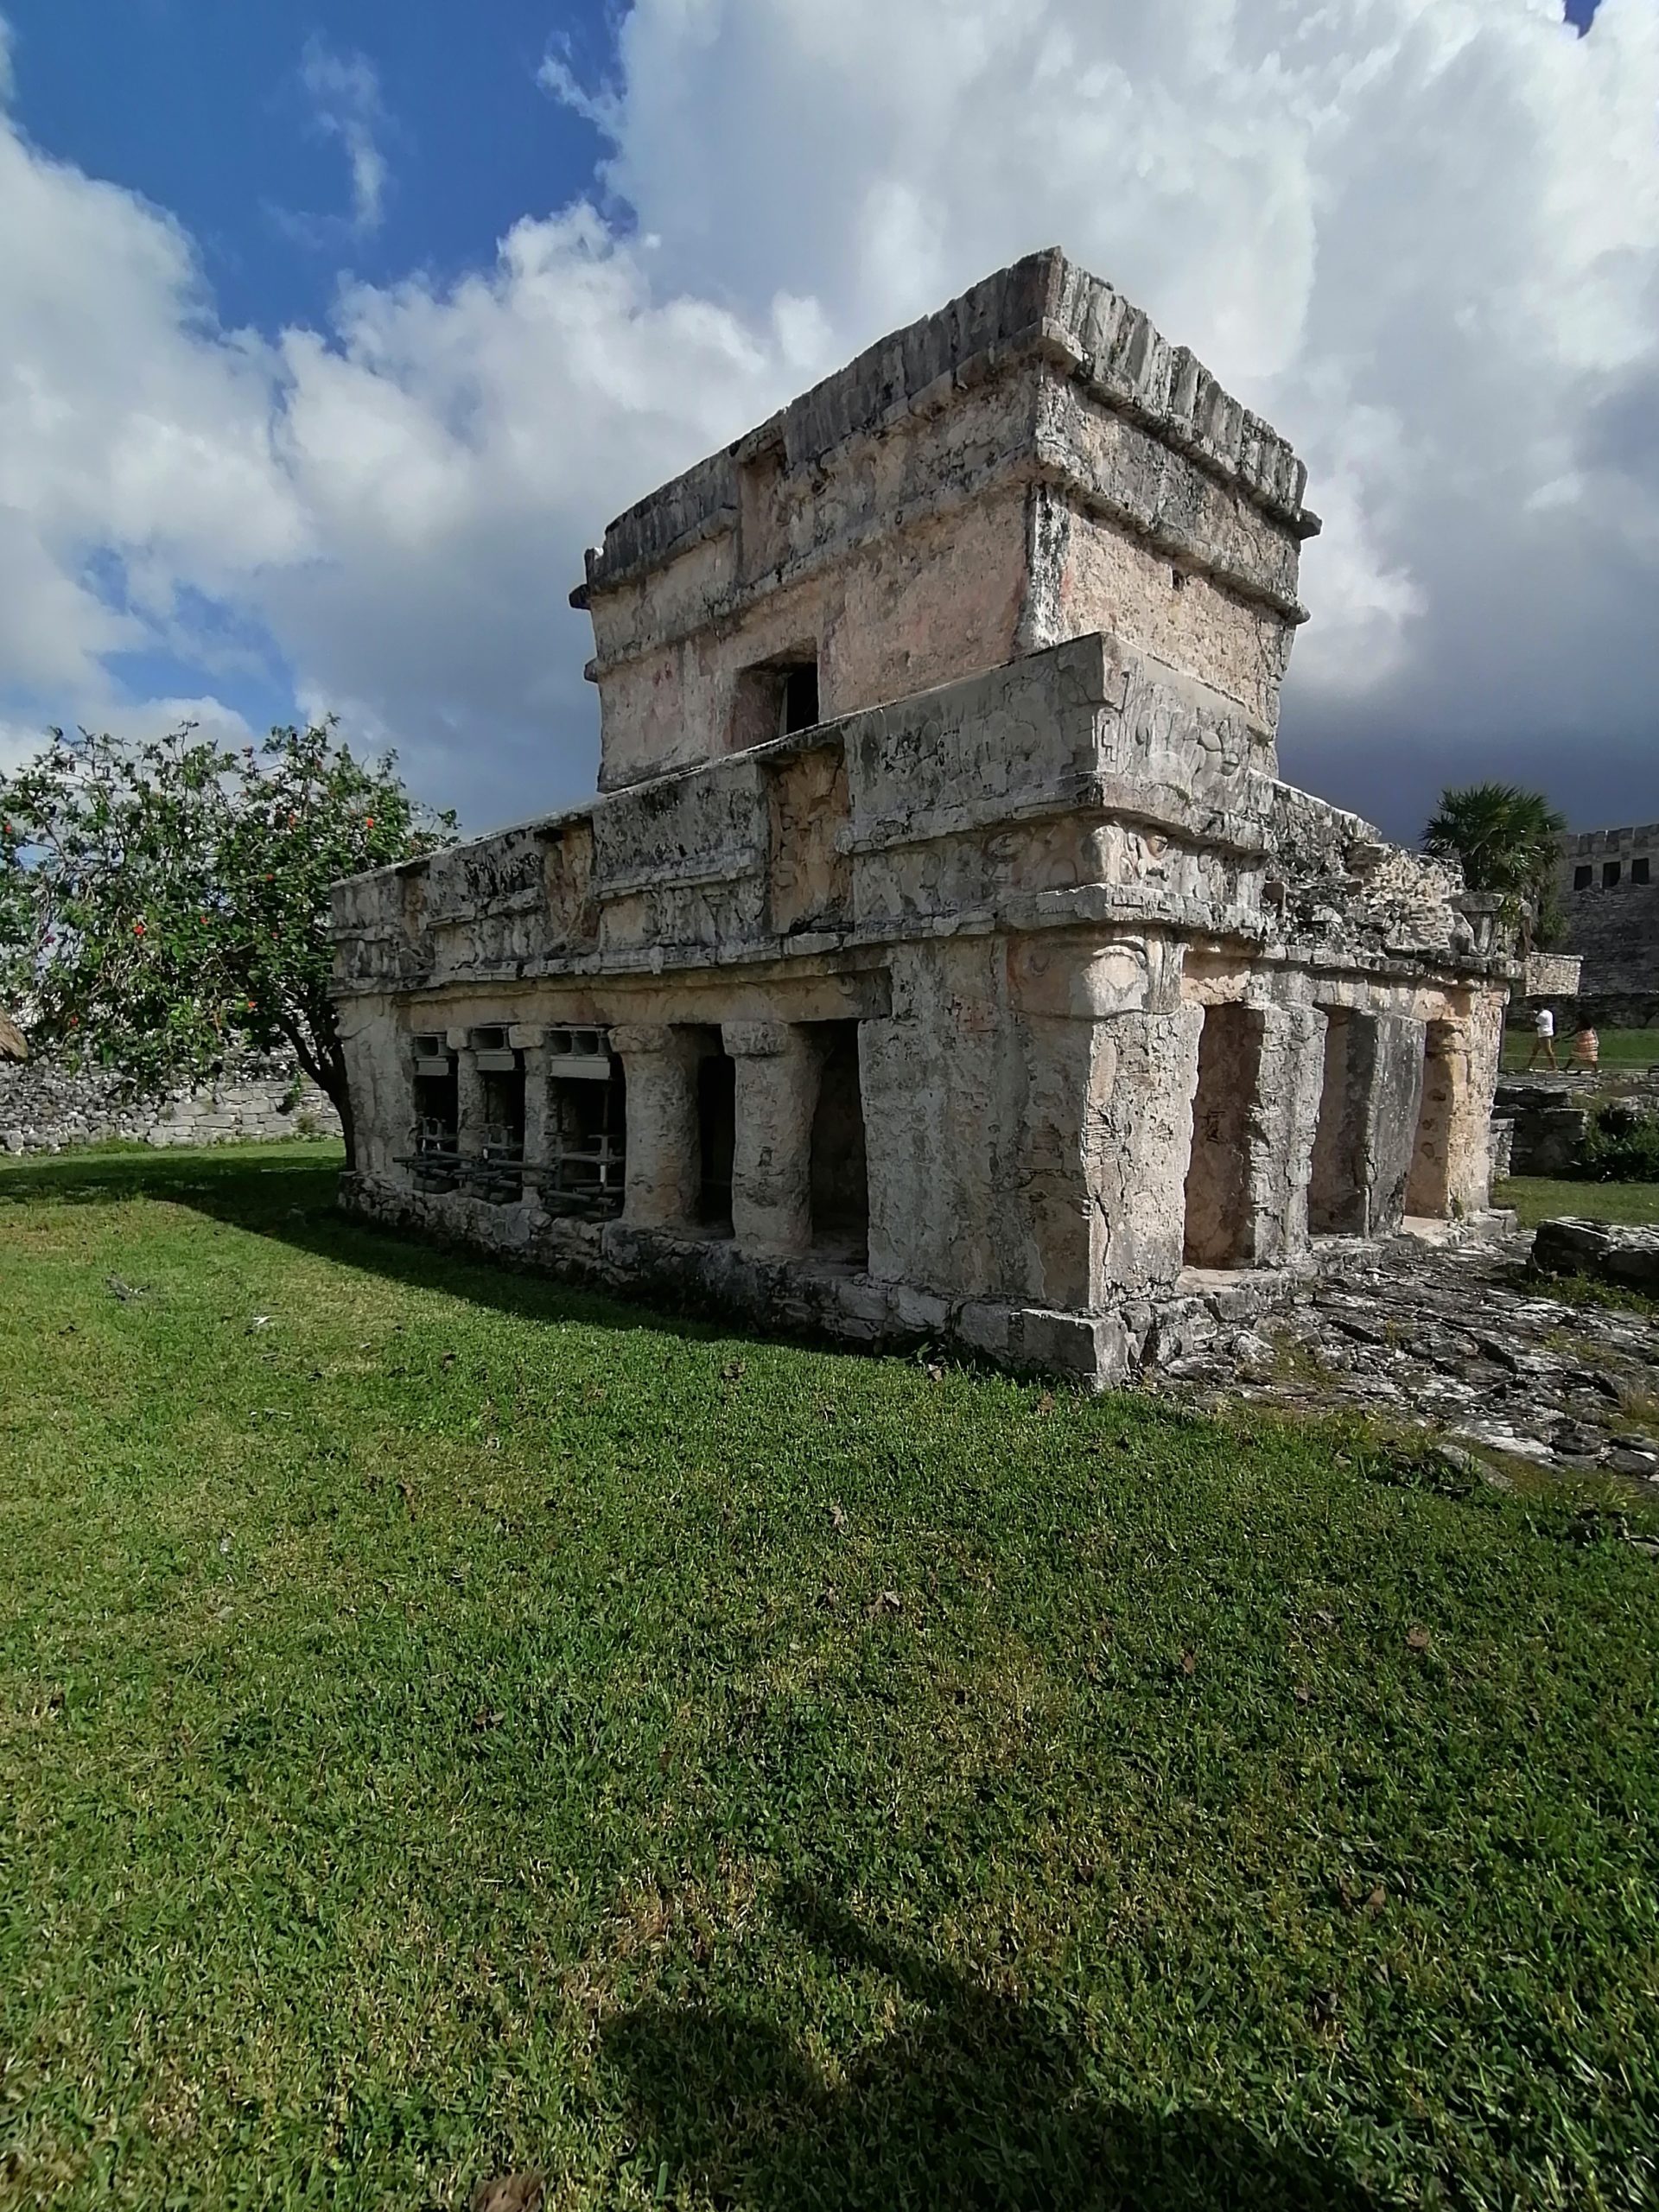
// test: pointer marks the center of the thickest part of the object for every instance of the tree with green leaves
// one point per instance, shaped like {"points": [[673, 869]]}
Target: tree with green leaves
{"points": [[165, 904], [1509, 842]]}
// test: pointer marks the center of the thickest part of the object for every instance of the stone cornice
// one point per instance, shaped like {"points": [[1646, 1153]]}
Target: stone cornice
{"points": [[1041, 308]]}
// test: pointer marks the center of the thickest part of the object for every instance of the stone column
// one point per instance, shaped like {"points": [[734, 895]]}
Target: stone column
{"points": [[664, 1173], [1138, 1143], [1396, 1091], [531, 1043], [1451, 1165], [1469, 1143], [1368, 1122], [778, 1070], [1282, 1126], [469, 1093], [1107, 1070]]}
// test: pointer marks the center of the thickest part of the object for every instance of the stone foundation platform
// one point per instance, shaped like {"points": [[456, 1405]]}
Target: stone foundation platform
{"points": [[833, 1300]]}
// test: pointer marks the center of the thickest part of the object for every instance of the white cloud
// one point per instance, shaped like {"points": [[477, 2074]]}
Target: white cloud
{"points": [[135, 454], [18, 743], [1421, 235], [143, 720], [344, 91]]}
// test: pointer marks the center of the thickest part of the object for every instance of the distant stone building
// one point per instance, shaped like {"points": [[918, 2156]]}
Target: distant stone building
{"points": [[942, 956], [1609, 891]]}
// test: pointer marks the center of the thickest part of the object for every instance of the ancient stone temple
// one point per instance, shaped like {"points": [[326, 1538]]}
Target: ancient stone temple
{"points": [[1609, 893], [942, 957]]}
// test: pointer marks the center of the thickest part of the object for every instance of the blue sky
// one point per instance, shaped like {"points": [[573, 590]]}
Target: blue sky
{"points": [[212, 113], [202, 106], [335, 334]]}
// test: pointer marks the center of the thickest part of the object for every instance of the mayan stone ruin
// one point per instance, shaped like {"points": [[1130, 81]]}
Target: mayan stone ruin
{"points": [[942, 958], [1609, 893]]}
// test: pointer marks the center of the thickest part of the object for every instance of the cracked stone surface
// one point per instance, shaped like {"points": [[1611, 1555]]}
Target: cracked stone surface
{"points": [[1462, 1341]]}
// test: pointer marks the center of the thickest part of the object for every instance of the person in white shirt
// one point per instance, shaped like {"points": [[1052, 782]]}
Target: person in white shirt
{"points": [[1543, 1037]]}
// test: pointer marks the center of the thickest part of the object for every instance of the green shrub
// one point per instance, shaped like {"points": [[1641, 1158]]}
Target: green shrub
{"points": [[1620, 1146]]}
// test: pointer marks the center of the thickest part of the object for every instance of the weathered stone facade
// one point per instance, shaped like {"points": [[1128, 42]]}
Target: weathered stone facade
{"points": [[1609, 893], [942, 956], [47, 1107]]}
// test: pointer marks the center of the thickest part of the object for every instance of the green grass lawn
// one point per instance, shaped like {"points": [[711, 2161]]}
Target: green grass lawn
{"points": [[450, 1725], [1536, 1198], [1620, 1048]]}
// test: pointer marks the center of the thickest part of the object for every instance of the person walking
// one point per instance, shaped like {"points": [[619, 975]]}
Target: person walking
{"points": [[1586, 1048], [1543, 1040]]}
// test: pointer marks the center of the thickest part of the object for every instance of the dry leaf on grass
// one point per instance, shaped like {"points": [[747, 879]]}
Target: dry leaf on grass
{"points": [[509, 2193]]}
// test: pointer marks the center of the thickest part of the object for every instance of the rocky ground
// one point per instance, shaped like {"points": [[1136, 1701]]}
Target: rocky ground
{"points": [[1464, 1342]]}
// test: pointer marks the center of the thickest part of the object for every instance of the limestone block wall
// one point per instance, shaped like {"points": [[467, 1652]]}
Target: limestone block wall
{"points": [[1551, 976], [1608, 890], [45, 1108], [1074, 921]]}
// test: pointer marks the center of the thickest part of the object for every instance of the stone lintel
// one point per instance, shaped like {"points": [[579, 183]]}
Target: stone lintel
{"points": [[759, 1039]]}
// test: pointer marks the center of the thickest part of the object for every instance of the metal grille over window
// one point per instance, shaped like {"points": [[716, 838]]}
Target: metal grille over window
{"points": [[437, 1113], [586, 1158], [498, 1172]]}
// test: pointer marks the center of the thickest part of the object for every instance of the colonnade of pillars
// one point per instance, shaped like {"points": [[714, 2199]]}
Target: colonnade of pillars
{"points": [[1303, 1119], [776, 1068], [1311, 1120]]}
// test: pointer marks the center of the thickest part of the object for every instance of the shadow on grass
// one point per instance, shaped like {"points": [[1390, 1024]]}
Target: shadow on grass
{"points": [[973, 2102], [289, 1192]]}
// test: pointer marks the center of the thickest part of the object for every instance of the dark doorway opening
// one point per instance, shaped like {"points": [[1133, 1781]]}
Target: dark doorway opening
{"points": [[1218, 1174], [438, 1111], [774, 699], [1336, 1189], [500, 1151], [586, 1168], [504, 1111], [840, 1173], [716, 1140], [800, 709], [1428, 1188]]}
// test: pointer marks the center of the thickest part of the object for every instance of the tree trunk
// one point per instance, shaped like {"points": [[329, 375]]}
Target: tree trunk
{"points": [[323, 1061], [342, 1100], [339, 1093]]}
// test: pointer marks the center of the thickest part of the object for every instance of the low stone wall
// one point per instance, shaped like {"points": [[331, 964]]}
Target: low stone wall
{"points": [[1548, 1119], [50, 1108], [1547, 1123], [1615, 1010]]}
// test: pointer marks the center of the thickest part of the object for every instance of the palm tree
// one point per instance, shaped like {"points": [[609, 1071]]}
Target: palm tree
{"points": [[1507, 840]]}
